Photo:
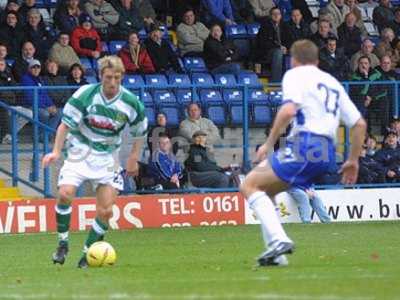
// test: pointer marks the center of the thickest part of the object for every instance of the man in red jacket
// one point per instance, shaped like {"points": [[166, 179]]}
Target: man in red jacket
{"points": [[84, 39]]}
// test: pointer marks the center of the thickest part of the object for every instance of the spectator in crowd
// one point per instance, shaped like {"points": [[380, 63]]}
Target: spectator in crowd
{"points": [[195, 122], [3, 51], [353, 6], [53, 78], [28, 53], [308, 200], [12, 5], [368, 4], [324, 33], [371, 145], [160, 129], [27, 6], [103, 16], [338, 10], [161, 54], [217, 11], [242, 11], [323, 15], [261, 9], [147, 12], [191, 35], [135, 57], [349, 35], [333, 60], [385, 47], [367, 49], [302, 5], [41, 35], [383, 15], [389, 157], [63, 54], [85, 40], [12, 28], [370, 170], [129, 19], [48, 112], [9, 97], [270, 43], [76, 75], [164, 166], [66, 16], [296, 28], [395, 126], [220, 54], [201, 166], [395, 24]]}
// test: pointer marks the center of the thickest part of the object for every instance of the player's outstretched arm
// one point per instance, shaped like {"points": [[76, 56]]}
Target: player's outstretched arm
{"points": [[350, 167], [61, 135], [132, 166], [283, 118]]}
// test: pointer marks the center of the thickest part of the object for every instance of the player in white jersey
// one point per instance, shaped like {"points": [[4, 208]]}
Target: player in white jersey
{"points": [[316, 103], [93, 120]]}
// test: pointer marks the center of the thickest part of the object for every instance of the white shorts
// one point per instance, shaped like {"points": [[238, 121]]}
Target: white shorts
{"points": [[97, 170]]}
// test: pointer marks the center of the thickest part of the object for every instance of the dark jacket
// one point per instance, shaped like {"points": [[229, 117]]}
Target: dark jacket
{"points": [[23, 11], [294, 33], [44, 99], [370, 171], [42, 38], [129, 20], [7, 79], [217, 53], [71, 81], [64, 21], [268, 38], [59, 96], [162, 56], [382, 17], [386, 76], [389, 158], [349, 39], [396, 27], [319, 40], [19, 68], [14, 44], [199, 160], [337, 65]]}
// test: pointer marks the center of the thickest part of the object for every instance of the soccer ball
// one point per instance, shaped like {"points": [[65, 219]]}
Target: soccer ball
{"points": [[101, 254]]}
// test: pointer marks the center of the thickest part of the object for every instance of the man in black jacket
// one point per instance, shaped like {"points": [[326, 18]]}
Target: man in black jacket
{"points": [[129, 18], [9, 97], [164, 59], [320, 38], [296, 28], [28, 53], [349, 35], [333, 61], [389, 158], [270, 43], [202, 168]]}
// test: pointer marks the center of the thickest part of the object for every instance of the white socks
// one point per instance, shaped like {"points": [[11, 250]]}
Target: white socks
{"points": [[271, 227]]}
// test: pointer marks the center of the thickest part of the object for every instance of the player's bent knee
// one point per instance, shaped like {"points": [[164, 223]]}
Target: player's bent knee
{"points": [[105, 213], [65, 196]]}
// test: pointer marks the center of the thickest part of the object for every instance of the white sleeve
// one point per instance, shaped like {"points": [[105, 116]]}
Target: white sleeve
{"points": [[349, 113], [291, 88]]}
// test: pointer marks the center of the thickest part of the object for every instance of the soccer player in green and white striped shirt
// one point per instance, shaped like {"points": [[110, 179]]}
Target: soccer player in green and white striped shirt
{"points": [[92, 123]]}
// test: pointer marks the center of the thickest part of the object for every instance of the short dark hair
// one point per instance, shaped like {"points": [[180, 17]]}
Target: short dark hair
{"points": [[364, 57], [274, 8], [76, 65]]}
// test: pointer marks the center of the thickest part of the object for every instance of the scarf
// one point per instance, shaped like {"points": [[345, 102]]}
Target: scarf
{"points": [[135, 54]]}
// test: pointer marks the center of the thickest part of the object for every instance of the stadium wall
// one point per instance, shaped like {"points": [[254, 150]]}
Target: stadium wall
{"points": [[181, 210]]}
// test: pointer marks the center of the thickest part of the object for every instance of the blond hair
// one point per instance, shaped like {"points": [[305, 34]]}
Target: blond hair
{"points": [[305, 52], [111, 62]]}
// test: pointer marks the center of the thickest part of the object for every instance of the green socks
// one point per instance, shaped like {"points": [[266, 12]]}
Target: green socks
{"points": [[63, 219], [96, 233]]}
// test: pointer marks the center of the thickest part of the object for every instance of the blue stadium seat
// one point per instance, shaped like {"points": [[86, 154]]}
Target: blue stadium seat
{"points": [[146, 98], [51, 3], [162, 97], [194, 64], [202, 79], [156, 80], [179, 80], [185, 96], [164, 31], [225, 79], [258, 96], [87, 66], [10, 62], [104, 47], [133, 81], [249, 78], [236, 115], [211, 96], [150, 114], [252, 29], [142, 34], [40, 4], [91, 79], [233, 96], [238, 31], [172, 114], [275, 98], [262, 114], [217, 114], [115, 46]]}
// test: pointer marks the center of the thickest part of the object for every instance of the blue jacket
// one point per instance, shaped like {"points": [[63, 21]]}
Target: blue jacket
{"points": [[389, 159], [163, 166], [44, 98], [218, 9]]}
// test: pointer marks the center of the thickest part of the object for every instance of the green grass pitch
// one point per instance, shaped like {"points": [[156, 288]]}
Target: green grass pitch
{"points": [[332, 262]]}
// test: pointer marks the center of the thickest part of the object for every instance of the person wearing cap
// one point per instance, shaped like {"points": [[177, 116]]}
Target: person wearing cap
{"points": [[66, 16], [333, 61], [20, 66], [161, 54], [12, 28], [389, 157], [202, 168], [48, 112], [103, 15], [367, 49], [349, 35], [85, 40], [63, 54], [191, 34], [40, 34], [195, 122]]}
